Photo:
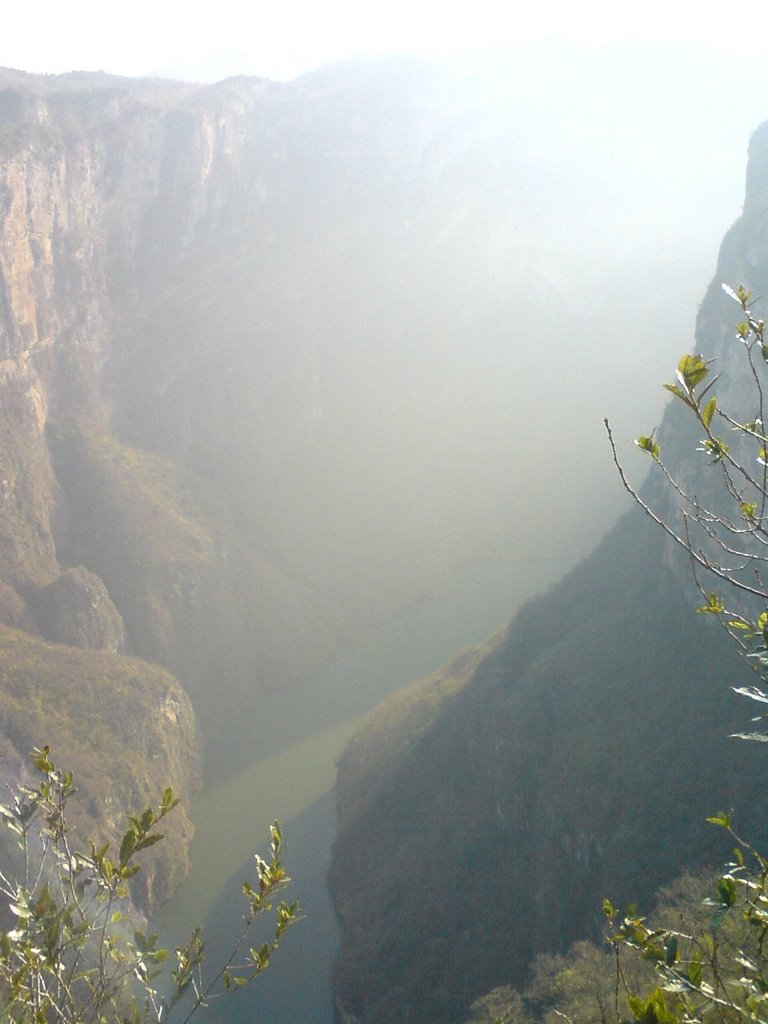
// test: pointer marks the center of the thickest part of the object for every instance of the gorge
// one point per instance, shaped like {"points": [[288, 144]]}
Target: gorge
{"points": [[285, 369]]}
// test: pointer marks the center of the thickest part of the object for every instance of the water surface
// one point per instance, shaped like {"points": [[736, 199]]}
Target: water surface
{"points": [[278, 760]]}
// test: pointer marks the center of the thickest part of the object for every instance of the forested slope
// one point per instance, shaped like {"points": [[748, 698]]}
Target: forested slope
{"points": [[578, 762]]}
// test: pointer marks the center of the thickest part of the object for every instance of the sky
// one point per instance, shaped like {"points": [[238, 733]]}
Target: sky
{"points": [[284, 38]]}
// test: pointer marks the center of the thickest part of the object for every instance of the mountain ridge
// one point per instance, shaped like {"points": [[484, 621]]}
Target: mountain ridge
{"points": [[266, 352]]}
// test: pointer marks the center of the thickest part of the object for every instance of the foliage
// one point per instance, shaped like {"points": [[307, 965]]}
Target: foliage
{"points": [[27, 550], [578, 986], [589, 984], [144, 527], [397, 725], [74, 952], [534, 787], [725, 538], [502, 1005], [721, 973]]}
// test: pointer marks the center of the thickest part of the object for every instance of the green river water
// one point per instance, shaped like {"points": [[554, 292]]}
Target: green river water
{"points": [[278, 761]]}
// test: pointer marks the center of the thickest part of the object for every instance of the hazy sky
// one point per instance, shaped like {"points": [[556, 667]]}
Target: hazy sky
{"points": [[283, 38]]}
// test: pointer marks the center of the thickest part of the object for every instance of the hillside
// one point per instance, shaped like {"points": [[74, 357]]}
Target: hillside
{"points": [[121, 726], [578, 762], [266, 354]]}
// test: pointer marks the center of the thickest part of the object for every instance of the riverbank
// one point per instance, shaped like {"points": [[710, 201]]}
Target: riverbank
{"points": [[278, 760]]}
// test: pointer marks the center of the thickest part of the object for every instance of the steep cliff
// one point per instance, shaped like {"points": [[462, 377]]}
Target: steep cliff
{"points": [[265, 357], [263, 347], [90, 184], [579, 761]]}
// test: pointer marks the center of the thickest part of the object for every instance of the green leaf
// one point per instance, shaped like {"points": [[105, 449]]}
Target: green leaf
{"points": [[670, 950], [42, 762], [169, 801], [714, 446], [721, 818], [148, 819], [647, 444], [742, 330], [709, 411], [150, 840], [691, 371], [727, 891], [714, 606], [680, 394], [652, 1010], [127, 847], [695, 972]]}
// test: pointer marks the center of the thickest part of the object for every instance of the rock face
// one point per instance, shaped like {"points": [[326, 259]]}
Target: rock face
{"points": [[579, 762], [76, 609], [262, 352], [261, 344], [123, 727]]}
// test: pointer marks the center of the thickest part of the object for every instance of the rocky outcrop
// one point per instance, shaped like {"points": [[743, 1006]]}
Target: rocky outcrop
{"points": [[76, 609], [123, 727]]}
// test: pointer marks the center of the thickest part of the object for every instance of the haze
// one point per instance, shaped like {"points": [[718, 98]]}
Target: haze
{"points": [[319, 353], [279, 41]]}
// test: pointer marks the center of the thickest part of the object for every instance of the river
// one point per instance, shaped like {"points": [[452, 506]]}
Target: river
{"points": [[278, 760]]}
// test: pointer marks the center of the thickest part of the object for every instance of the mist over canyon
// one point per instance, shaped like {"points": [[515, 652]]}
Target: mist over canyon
{"points": [[277, 361]]}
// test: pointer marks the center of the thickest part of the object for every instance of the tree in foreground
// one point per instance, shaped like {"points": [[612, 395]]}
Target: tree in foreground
{"points": [[702, 954], [719, 973], [72, 951], [591, 984]]}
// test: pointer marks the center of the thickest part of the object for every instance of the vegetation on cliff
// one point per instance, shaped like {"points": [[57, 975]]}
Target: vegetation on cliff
{"points": [[139, 726], [498, 834], [210, 300], [28, 491], [401, 720], [582, 758], [588, 983], [707, 960], [142, 525]]}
